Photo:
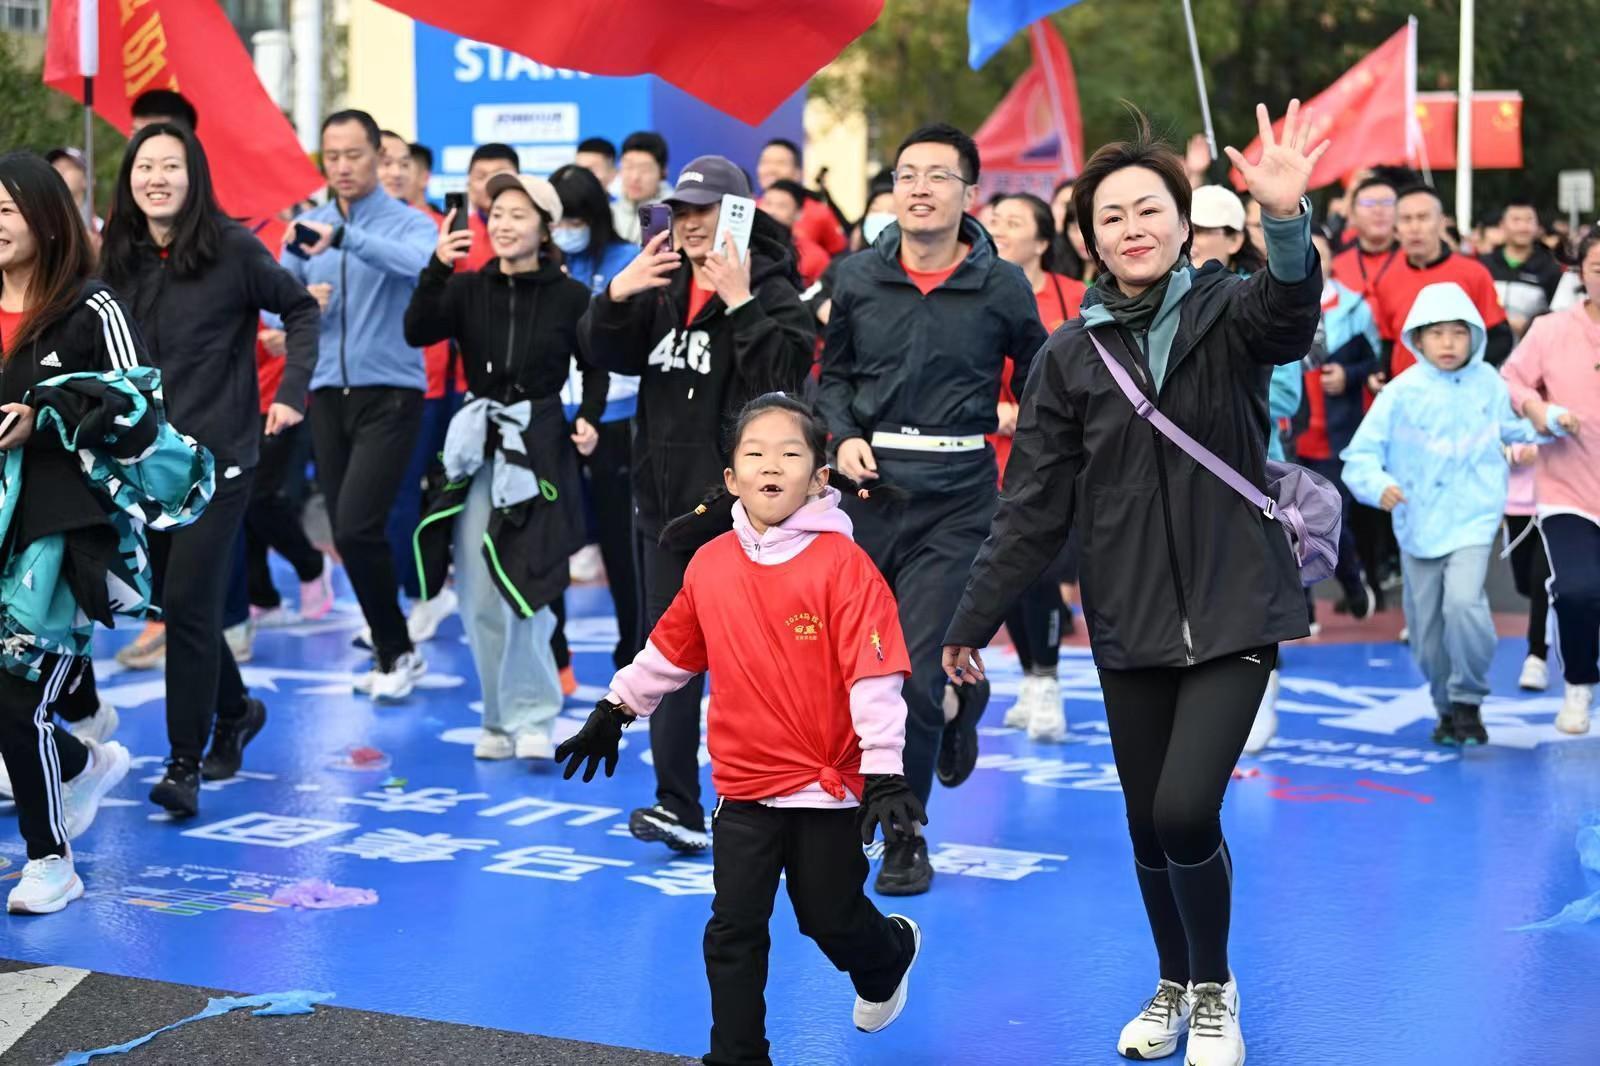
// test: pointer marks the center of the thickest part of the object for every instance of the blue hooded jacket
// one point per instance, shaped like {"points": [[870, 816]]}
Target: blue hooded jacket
{"points": [[373, 273], [1439, 436], [596, 271]]}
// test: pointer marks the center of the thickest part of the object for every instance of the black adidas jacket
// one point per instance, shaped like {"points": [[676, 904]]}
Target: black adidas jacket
{"points": [[694, 378]]}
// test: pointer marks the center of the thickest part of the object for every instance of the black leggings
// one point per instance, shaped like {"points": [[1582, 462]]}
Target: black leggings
{"points": [[273, 517], [1035, 626], [1176, 734], [1531, 572]]}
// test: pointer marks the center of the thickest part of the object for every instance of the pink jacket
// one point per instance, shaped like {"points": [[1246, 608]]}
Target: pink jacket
{"points": [[876, 706], [1559, 362]]}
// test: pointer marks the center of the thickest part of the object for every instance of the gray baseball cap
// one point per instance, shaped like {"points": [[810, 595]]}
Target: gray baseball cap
{"points": [[707, 180]]}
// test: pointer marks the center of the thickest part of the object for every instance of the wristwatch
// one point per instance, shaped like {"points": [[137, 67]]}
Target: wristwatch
{"points": [[338, 237]]}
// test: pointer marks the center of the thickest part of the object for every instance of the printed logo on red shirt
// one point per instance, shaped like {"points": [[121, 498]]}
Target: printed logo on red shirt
{"points": [[877, 644], [805, 625]]}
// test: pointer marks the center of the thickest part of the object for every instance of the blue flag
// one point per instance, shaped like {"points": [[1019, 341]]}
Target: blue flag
{"points": [[991, 23]]}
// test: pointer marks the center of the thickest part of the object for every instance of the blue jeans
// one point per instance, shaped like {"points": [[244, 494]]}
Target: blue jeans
{"points": [[1452, 631], [516, 668]]}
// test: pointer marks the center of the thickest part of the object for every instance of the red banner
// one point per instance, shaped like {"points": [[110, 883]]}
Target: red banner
{"points": [[1496, 130], [743, 57], [190, 47], [1034, 138], [1365, 114]]}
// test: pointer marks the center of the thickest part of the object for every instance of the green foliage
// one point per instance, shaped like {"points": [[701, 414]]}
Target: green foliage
{"points": [[39, 118], [913, 68]]}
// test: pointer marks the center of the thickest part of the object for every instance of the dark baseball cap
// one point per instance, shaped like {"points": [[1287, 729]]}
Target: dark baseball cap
{"points": [[707, 180]]}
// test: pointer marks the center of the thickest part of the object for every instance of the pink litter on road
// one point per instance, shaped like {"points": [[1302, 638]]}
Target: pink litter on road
{"points": [[323, 896]]}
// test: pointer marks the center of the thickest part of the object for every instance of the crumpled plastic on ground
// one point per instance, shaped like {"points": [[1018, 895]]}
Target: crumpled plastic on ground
{"points": [[270, 1004], [316, 895], [1586, 909]]}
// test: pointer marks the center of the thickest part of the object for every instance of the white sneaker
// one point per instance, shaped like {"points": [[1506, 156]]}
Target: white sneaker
{"points": [[1020, 713], [1535, 674], [1574, 716], [492, 745], [99, 726], [876, 1017], [1265, 727], [47, 885], [1047, 722], [1214, 1036], [535, 746], [586, 565], [426, 615], [393, 685], [5, 781], [1154, 1034], [81, 796], [241, 641]]}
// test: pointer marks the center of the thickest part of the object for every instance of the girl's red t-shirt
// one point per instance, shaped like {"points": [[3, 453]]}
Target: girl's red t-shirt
{"points": [[783, 645]]}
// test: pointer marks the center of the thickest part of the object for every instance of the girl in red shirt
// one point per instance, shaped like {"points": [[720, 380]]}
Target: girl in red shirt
{"points": [[802, 639]]}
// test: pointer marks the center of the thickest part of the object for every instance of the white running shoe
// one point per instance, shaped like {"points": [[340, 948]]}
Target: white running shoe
{"points": [[396, 683], [876, 1017], [1574, 715], [493, 745], [1265, 727], [47, 885], [586, 566], [1020, 713], [5, 781], [99, 726], [241, 641], [1154, 1034], [1214, 1036], [108, 765], [535, 746], [1535, 674], [1047, 722], [426, 615]]}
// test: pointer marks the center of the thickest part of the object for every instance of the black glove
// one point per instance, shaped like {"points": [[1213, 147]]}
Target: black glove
{"points": [[888, 801], [597, 740]]}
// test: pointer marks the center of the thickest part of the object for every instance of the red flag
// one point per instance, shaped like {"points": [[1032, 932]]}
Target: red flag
{"points": [[1496, 130], [1034, 138], [743, 57], [189, 46], [1366, 113]]}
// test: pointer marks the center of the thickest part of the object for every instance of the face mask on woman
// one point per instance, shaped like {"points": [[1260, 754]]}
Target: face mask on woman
{"points": [[571, 239], [874, 224]]}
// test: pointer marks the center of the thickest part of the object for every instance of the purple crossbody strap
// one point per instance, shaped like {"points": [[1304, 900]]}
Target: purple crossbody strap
{"points": [[1146, 410]]}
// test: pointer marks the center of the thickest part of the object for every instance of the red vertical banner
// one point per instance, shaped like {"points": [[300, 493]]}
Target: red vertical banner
{"points": [[1034, 137], [189, 46]]}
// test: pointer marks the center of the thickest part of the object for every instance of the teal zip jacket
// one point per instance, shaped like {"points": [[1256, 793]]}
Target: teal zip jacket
{"points": [[143, 474]]}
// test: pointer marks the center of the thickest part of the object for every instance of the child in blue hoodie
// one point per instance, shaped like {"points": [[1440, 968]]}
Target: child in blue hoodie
{"points": [[1431, 452]]}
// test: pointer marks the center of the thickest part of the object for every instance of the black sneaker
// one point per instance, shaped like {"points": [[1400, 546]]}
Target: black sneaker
{"points": [[958, 746], [658, 823], [179, 790], [228, 740], [1468, 724], [905, 870], [1444, 731]]}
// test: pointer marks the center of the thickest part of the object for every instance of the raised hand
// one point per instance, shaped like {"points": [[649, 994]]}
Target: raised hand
{"points": [[1279, 179]]}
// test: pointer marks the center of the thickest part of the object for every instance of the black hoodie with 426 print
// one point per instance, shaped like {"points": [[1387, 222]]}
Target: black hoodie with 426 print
{"points": [[694, 377]]}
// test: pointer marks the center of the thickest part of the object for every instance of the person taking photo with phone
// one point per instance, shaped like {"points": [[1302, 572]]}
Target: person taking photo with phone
{"points": [[197, 283], [707, 331]]}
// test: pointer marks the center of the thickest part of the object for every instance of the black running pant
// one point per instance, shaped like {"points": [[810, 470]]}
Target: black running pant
{"points": [[1531, 572], [39, 756], [364, 439], [818, 853], [1176, 733], [1573, 543], [1035, 625], [675, 727], [273, 519]]}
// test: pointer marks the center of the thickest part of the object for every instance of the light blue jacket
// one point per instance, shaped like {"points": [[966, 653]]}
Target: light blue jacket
{"points": [[622, 399], [373, 272], [1439, 436]]}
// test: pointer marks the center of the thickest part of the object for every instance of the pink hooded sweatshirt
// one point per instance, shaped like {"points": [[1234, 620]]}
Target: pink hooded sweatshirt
{"points": [[877, 708], [1559, 362]]}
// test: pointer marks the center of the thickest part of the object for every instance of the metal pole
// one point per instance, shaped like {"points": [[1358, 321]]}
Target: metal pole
{"points": [[88, 153], [306, 28], [1200, 80], [88, 67], [1464, 121]]}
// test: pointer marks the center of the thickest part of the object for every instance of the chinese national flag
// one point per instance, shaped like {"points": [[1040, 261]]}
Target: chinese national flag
{"points": [[743, 57], [1365, 114], [189, 46], [1496, 130]]}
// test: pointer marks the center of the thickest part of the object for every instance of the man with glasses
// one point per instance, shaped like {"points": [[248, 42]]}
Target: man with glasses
{"points": [[921, 326]]}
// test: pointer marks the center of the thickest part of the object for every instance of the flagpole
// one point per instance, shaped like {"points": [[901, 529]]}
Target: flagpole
{"points": [[1200, 80], [1464, 121], [88, 66]]}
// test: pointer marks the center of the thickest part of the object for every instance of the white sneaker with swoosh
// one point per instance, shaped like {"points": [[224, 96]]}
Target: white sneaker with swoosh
{"points": [[1214, 1036], [1154, 1034]]}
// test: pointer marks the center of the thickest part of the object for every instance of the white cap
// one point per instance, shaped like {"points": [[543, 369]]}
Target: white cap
{"points": [[1216, 207]]}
